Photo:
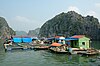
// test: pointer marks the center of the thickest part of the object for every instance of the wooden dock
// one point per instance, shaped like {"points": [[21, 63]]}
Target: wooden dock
{"points": [[8, 47], [14, 48]]}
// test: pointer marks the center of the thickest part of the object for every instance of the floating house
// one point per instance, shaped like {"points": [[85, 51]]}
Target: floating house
{"points": [[79, 41], [60, 39]]}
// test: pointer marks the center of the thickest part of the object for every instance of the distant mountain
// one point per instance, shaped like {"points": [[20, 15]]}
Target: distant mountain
{"points": [[21, 33], [71, 23], [5, 30], [34, 32]]}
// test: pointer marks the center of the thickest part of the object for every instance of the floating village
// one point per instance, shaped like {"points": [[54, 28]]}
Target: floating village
{"points": [[77, 44]]}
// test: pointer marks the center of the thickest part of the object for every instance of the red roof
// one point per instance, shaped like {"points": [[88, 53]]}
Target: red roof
{"points": [[78, 36], [57, 36], [55, 44]]}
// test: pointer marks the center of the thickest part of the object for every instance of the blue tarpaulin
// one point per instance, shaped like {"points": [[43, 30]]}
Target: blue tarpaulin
{"points": [[27, 39], [19, 40]]}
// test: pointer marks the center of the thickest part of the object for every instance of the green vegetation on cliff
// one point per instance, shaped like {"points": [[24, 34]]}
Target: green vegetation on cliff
{"points": [[21, 33], [5, 30], [34, 33], [71, 23]]}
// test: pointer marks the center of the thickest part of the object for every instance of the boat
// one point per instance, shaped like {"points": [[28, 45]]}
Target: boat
{"points": [[58, 48], [54, 50], [89, 52]]}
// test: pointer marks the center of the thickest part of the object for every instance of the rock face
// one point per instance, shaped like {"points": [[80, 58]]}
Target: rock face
{"points": [[69, 24], [5, 30], [21, 33], [34, 33]]}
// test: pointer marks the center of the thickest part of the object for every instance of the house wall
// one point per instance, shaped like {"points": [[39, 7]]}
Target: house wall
{"points": [[84, 42]]}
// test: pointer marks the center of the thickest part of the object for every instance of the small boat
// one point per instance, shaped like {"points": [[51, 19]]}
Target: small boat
{"points": [[89, 52], [58, 51], [58, 48]]}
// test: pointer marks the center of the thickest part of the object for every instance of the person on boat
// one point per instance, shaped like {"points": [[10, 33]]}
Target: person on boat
{"points": [[69, 49], [67, 45]]}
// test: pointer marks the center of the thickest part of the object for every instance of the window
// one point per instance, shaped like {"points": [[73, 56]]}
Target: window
{"points": [[83, 43]]}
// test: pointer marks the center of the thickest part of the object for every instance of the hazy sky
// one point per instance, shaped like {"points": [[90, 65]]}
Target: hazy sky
{"points": [[24, 15]]}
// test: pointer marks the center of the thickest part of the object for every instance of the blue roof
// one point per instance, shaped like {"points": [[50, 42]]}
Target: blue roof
{"points": [[59, 39], [64, 39], [71, 39]]}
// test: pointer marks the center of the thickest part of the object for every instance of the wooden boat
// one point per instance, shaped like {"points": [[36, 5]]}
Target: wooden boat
{"points": [[89, 52], [58, 51]]}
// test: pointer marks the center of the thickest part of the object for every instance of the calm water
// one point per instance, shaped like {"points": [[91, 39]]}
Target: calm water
{"points": [[45, 58]]}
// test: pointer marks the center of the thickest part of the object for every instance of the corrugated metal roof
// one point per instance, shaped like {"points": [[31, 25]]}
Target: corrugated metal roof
{"points": [[78, 36]]}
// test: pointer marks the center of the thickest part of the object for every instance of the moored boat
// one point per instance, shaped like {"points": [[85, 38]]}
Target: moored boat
{"points": [[89, 52], [54, 50]]}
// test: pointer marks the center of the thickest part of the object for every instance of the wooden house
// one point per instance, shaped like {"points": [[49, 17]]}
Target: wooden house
{"points": [[79, 41]]}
